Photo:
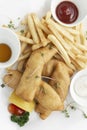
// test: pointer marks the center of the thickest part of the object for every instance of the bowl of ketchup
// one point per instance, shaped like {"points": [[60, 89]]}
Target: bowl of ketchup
{"points": [[69, 12]]}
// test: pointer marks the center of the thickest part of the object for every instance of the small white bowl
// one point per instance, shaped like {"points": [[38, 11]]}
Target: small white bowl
{"points": [[9, 37], [82, 8], [79, 81]]}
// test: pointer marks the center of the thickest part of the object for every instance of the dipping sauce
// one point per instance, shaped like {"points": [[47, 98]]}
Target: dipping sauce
{"points": [[5, 52], [67, 12], [80, 87]]}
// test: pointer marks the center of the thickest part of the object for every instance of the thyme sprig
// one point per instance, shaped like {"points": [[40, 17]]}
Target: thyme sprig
{"points": [[2, 85], [72, 107], [11, 24], [66, 110], [85, 115], [66, 113]]}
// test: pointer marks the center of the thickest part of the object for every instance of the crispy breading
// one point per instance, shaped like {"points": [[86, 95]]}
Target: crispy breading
{"points": [[31, 77]]}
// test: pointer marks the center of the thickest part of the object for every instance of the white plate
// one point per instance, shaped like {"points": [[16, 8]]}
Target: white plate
{"points": [[57, 121]]}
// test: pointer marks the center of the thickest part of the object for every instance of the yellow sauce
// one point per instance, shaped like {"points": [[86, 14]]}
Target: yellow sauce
{"points": [[5, 52]]}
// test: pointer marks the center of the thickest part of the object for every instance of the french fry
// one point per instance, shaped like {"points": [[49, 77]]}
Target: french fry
{"points": [[19, 33], [60, 29], [81, 64], [59, 37], [77, 67], [44, 41], [72, 31], [33, 30], [55, 41], [43, 21], [28, 34], [25, 39], [23, 47], [34, 47], [20, 65], [71, 55], [73, 47], [24, 21], [43, 28], [28, 49], [75, 50], [81, 47], [58, 57], [22, 57], [82, 34], [48, 15], [77, 38], [82, 58]]}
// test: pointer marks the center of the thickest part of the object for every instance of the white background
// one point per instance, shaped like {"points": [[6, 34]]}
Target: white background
{"points": [[57, 120]]}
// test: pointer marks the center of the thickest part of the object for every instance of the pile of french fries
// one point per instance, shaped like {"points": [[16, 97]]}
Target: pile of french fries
{"points": [[70, 42]]}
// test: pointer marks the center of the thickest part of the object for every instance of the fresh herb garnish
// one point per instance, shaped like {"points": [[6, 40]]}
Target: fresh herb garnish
{"points": [[56, 85], [85, 115], [2, 85], [20, 120], [22, 31], [18, 18], [11, 25], [42, 54], [73, 107], [66, 113], [36, 76], [50, 46]]}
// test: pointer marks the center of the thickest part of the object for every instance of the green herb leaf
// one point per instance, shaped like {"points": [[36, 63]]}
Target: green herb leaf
{"points": [[66, 113], [11, 25], [42, 54], [50, 46], [85, 115], [18, 18], [2, 85], [20, 120], [36, 76], [22, 31], [73, 107]]}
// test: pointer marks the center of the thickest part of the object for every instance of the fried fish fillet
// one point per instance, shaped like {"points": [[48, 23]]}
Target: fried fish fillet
{"points": [[44, 113], [60, 74], [48, 98], [49, 67], [62, 80], [31, 77], [12, 78]]}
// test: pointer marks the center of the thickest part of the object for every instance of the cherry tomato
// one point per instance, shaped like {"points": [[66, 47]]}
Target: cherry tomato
{"points": [[13, 109]]}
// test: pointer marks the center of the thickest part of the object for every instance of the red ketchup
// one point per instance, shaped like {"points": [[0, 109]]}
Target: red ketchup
{"points": [[67, 12]]}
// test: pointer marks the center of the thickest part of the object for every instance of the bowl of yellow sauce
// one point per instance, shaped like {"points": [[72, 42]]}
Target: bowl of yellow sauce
{"points": [[9, 47]]}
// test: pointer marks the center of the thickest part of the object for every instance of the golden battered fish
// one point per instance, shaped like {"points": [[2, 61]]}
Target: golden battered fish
{"points": [[31, 78], [48, 98], [62, 80], [12, 78]]}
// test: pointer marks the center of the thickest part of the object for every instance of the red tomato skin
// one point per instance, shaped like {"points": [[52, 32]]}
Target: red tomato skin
{"points": [[13, 109]]}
